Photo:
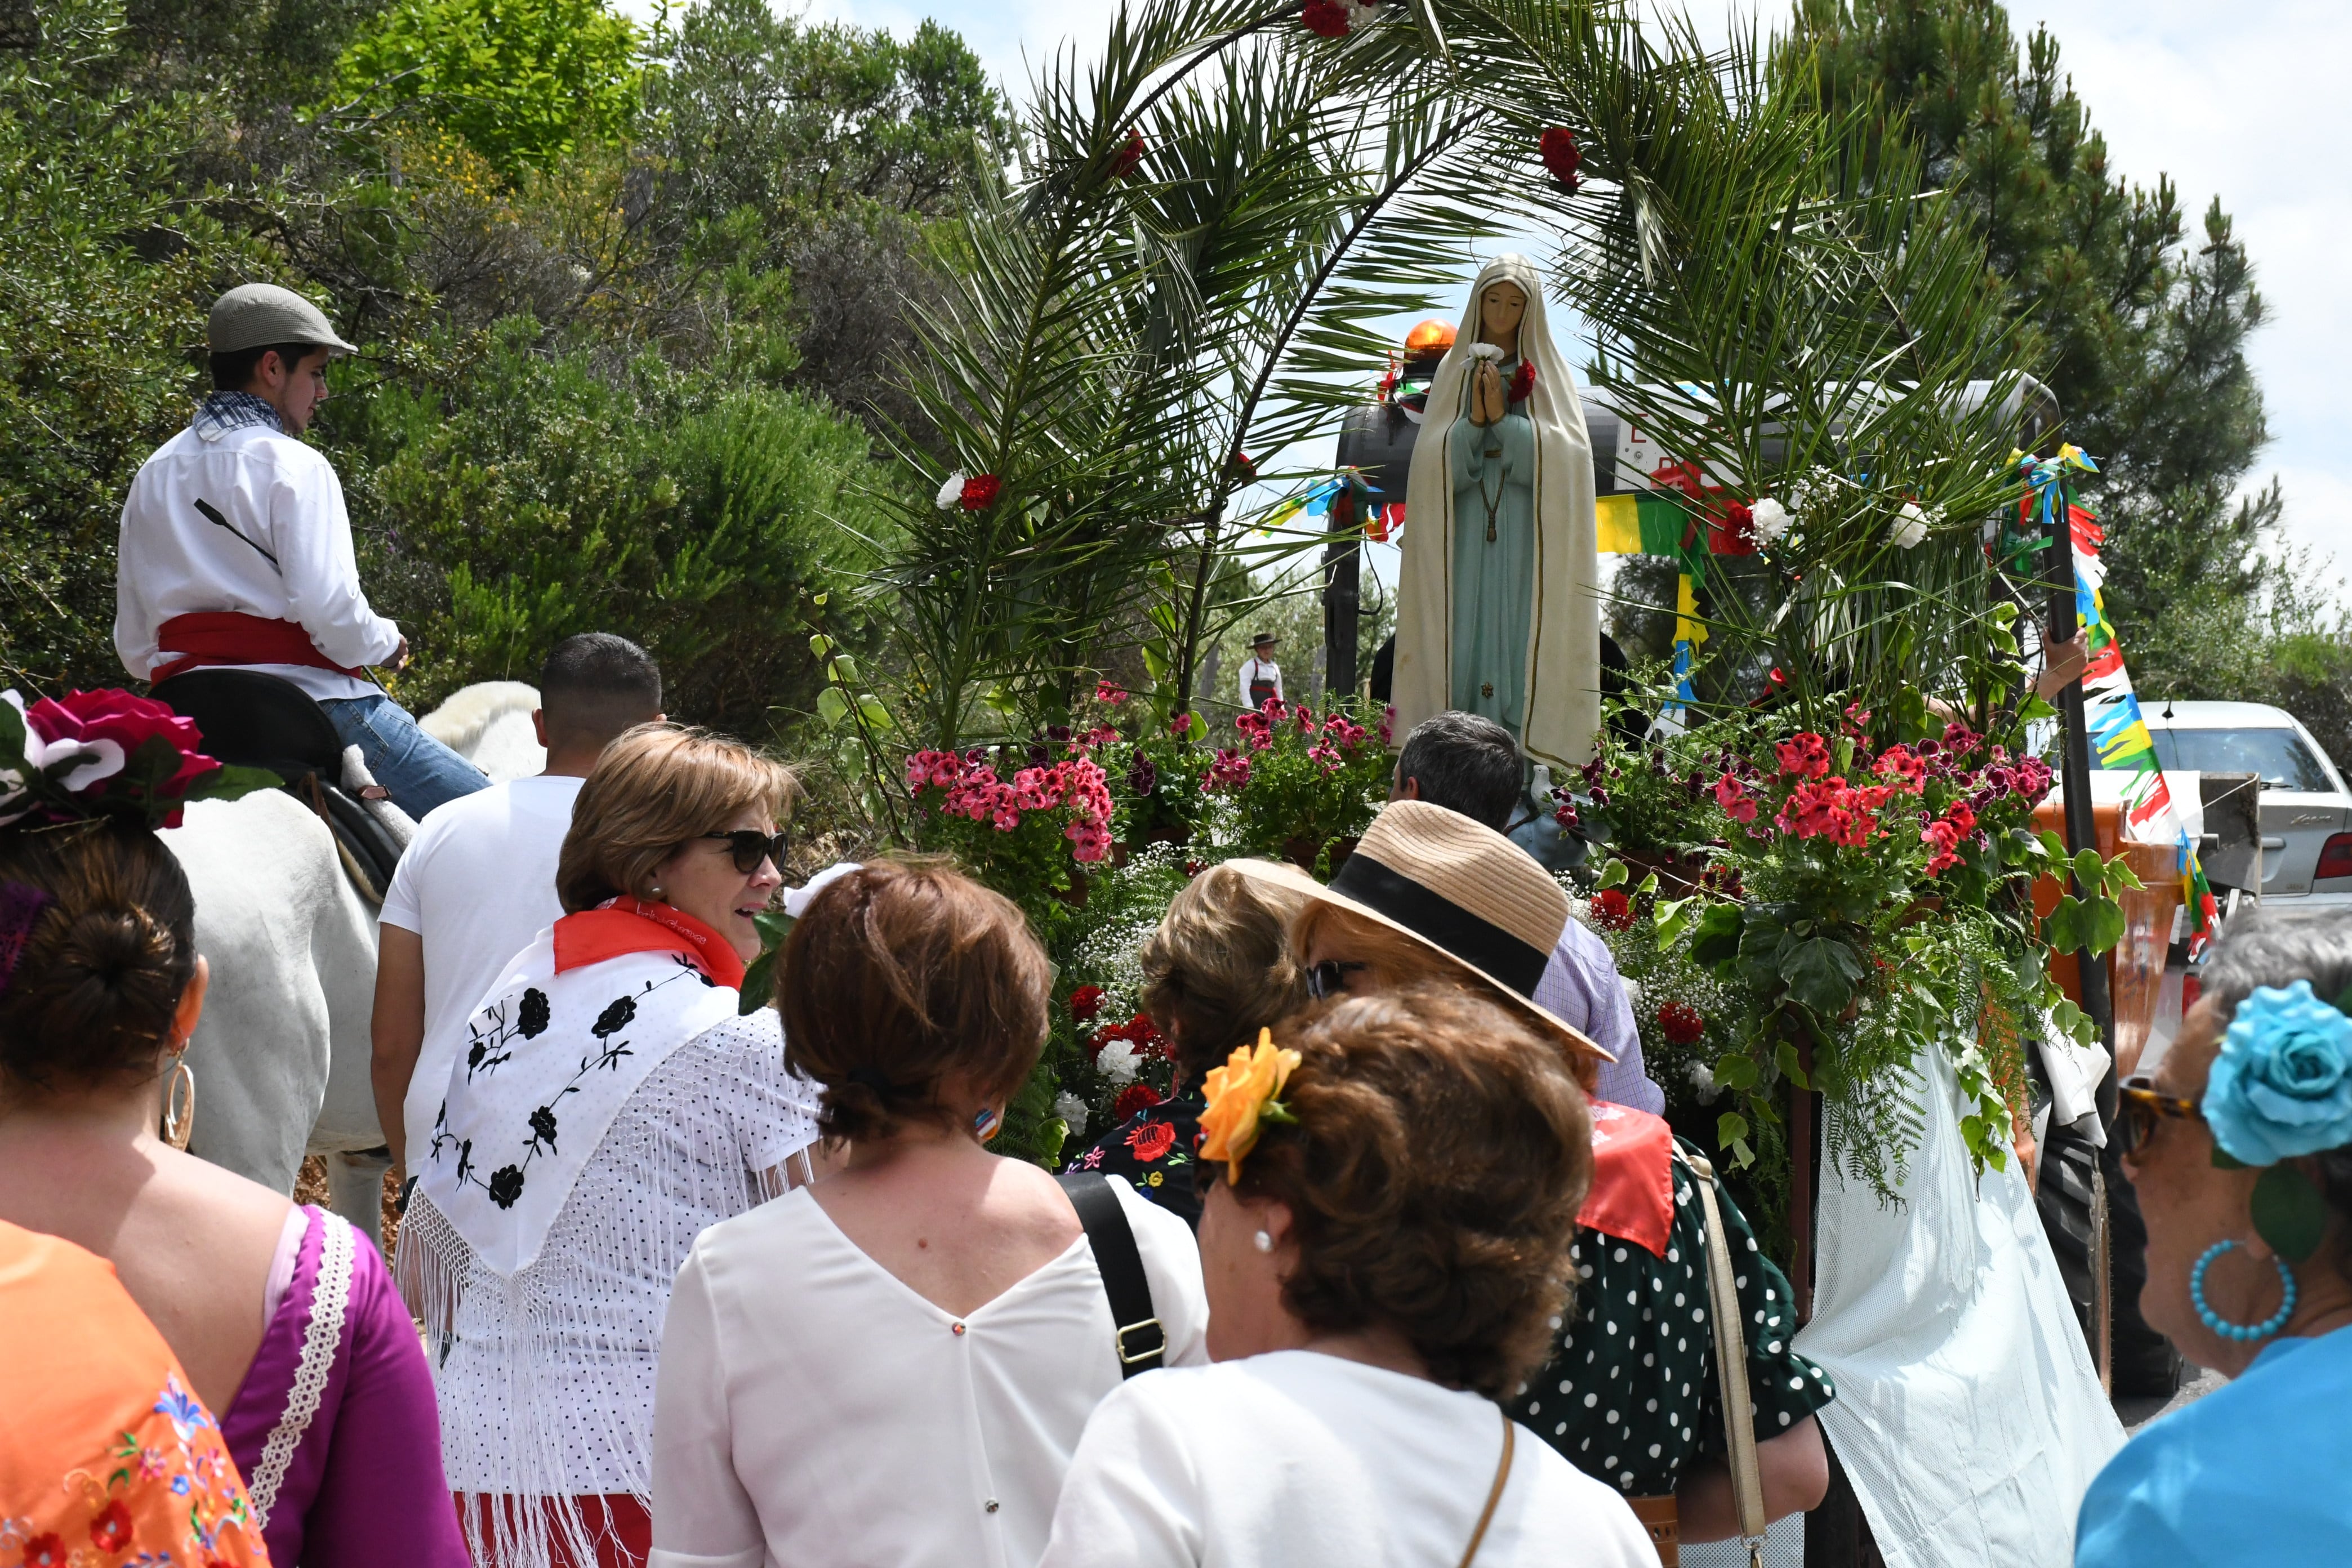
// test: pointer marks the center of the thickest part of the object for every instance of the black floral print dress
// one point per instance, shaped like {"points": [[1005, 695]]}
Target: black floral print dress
{"points": [[1153, 1150], [1630, 1394]]}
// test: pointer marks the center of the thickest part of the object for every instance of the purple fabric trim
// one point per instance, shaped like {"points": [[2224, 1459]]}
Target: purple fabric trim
{"points": [[1581, 987], [365, 1489], [21, 907]]}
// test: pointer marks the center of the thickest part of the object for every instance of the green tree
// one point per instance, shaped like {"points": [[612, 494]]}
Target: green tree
{"points": [[2139, 332], [523, 83]]}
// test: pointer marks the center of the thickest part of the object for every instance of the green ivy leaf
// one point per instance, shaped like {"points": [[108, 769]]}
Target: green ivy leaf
{"points": [[2102, 925], [1730, 1128], [1735, 1071], [1614, 874], [832, 706], [1714, 940], [1820, 972]]}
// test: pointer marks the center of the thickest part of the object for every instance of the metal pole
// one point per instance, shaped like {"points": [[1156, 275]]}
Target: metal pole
{"points": [[2082, 832]]}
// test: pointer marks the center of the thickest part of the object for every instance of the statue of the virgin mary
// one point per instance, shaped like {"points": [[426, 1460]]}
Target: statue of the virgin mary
{"points": [[1496, 607]]}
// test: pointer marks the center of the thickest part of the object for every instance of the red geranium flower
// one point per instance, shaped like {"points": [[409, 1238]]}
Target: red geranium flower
{"points": [[1153, 1139], [980, 493], [1086, 1002], [1325, 18], [1682, 1023], [1123, 163], [1561, 156], [1138, 1096], [1806, 755], [1612, 909], [110, 1531]]}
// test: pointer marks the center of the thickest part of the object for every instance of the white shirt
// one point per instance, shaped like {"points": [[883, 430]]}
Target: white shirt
{"points": [[1256, 669], [815, 1411], [549, 1386], [478, 884], [283, 497], [1297, 1459]]}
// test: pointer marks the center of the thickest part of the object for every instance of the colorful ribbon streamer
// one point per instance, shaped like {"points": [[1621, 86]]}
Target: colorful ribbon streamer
{"points": [[2111, 712]]}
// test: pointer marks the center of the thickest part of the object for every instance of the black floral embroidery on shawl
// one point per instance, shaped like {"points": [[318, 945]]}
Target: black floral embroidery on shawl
{"points": [[489, 1051]]}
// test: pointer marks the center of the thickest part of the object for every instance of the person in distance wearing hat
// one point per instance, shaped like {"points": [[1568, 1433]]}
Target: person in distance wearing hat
{"points": [[1261, 677], [236, 548], [1630, 1395]]}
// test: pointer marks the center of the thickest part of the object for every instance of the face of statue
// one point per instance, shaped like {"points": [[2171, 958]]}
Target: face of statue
{"points": [[1500, 310]]}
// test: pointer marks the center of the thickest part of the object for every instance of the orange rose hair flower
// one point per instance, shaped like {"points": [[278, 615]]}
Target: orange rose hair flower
{"points": [[1241, 1094]]}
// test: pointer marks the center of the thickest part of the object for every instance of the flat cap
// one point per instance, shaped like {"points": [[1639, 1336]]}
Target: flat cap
{"points": [[260, 315]]}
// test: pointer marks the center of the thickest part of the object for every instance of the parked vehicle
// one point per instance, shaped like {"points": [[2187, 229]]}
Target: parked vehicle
{"points": [[2307, 811]]}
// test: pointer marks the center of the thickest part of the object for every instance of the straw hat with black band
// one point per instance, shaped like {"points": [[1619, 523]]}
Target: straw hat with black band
{"points": [[1459, 888]]}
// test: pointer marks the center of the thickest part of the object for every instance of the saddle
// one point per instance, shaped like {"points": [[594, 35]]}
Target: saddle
{"points": [[261, 721]]}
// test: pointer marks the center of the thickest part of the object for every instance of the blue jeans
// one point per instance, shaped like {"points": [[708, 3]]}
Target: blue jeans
{"points": [[420, 772]]}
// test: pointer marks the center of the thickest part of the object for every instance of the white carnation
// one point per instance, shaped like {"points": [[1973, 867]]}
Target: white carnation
{"points": [[1702, 1077], [1493, 351], [1362, 14], [1910, 526], [1768, 521], [951, 492], [1121, 1061], [1072, 1111]]}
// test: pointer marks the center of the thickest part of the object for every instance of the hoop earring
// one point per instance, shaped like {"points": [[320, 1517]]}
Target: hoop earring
{"points": [[2244, 1333], [180, 1103]]}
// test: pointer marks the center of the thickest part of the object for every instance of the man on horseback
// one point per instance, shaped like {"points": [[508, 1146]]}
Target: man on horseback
{"points": [[235, 549]]}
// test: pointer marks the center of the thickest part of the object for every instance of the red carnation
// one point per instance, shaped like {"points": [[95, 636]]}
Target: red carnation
{"points": [[1682, 1023], [1561, 157], [1123, 163], [980, 493], [1325, 18], [1612, 909], [1086, 1002], [1138, 1096], [1523, 381]]}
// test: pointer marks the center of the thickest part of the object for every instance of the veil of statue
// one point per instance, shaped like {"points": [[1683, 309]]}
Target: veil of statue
{"points": [[1496, 613]]}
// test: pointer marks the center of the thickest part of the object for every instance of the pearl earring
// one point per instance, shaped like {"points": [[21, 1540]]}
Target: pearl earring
{"points": [[1264, 1242]]}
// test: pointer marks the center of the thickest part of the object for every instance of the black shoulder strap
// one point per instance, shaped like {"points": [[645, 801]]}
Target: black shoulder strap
{"points": [[1141, 1341]]}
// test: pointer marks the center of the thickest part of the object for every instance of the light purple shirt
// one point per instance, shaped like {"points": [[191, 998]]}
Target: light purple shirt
{"points": [[1581, 987]]}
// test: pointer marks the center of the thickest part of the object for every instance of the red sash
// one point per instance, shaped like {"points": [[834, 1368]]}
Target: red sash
{"points": [[1633, 1195], [231, 637], [629, 925]]}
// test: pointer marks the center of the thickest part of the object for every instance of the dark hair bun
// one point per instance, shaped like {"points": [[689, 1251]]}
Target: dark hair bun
{"points": [[104, 966]]}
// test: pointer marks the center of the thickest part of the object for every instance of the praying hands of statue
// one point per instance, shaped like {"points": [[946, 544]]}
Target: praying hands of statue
{"points": [[1487, 402]]}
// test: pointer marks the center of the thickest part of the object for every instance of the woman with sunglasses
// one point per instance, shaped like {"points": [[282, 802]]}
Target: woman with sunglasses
{"points": [[607, 1105], [2240, 1151]]}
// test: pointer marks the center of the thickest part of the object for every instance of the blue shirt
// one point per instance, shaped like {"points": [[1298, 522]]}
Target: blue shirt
{"points": [[2257, 1472], [1580, 988]]}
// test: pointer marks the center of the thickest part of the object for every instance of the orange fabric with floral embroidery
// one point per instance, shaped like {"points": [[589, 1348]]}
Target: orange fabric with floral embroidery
{"points": [[106, 1458]]}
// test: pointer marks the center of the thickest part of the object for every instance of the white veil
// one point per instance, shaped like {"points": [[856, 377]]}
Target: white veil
{"points": [[1563, 687]]}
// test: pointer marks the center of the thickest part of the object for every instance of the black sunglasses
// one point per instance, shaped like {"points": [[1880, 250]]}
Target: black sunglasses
{"points": [[2139, 1107], [750, 846], [1328, 978]]}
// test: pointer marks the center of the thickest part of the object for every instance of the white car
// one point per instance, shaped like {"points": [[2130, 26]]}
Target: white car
{"points": [[2307, 813]]}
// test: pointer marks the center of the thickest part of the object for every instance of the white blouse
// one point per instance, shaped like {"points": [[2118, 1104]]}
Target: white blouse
{"points": [[812, 1410], [1297, 1459]]}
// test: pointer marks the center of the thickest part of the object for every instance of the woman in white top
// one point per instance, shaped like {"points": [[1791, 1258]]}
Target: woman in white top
{"points": [[1385, 1245], [606, 1104], [893, 1366]]}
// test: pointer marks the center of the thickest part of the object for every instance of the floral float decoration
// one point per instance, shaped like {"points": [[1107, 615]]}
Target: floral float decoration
{"points": [[1561, 156]]}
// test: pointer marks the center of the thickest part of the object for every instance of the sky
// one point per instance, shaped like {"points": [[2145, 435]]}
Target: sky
{"points": [[2238, 100]]}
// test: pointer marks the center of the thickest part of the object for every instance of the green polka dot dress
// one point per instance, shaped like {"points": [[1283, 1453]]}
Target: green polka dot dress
{"points": [[1630, 1396]]}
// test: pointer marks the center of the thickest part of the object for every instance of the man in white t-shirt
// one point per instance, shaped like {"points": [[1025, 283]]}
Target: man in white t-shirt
{"points": [[479, 883]]}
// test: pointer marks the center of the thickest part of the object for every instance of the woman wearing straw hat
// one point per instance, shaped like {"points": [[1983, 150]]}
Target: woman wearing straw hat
{"points": [[1631, 1393]]}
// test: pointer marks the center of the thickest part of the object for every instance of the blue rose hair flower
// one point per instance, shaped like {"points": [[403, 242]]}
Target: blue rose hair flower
{"points": [[2283, 1084]]}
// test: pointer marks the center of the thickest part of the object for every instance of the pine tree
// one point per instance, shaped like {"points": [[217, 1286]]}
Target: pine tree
{"points": [[2139, 333]]}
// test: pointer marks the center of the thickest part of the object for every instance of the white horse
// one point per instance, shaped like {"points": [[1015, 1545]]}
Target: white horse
{"points": [[280, 1058]]}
